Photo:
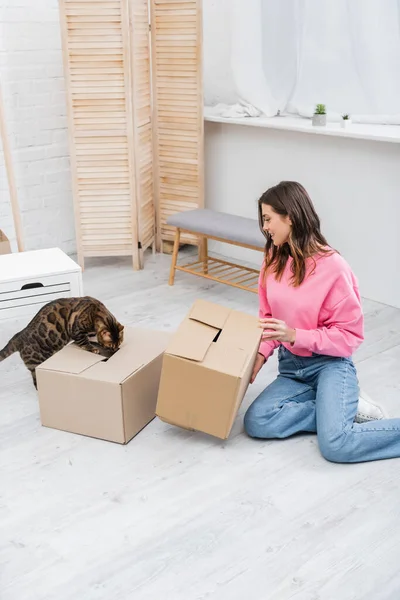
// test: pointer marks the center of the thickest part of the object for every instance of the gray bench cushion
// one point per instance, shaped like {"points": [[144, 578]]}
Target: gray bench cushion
{"points": [[218, 224]]}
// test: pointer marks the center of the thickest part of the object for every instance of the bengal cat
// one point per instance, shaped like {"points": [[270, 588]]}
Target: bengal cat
{"points": [[60, 322]]}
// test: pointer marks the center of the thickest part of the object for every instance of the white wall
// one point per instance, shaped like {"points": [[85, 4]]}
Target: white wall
{"points": [[354, 184], [31, 75]]}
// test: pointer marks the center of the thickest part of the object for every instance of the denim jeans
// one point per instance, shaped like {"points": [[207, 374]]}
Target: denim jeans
{"points": [[319, 394]]}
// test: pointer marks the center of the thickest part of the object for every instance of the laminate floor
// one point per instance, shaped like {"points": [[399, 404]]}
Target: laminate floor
{"points": [[176, 515]]}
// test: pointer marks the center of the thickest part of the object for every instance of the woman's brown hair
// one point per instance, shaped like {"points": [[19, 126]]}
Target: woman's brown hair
{"points": [[289, 198]]}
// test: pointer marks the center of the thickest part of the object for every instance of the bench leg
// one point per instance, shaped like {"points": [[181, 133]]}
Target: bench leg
{"points": [[203, 254], [174, 257]]}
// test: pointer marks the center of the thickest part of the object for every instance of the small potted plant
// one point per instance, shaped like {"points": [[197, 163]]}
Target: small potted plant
{"points": [[346, 121], [319, 117]]}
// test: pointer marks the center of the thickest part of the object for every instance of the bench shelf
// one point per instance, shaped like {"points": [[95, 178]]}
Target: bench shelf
{"points": [[221, 227]]}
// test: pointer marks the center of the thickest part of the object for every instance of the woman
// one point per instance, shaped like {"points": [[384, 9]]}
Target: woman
{"points": [[310, 309]]}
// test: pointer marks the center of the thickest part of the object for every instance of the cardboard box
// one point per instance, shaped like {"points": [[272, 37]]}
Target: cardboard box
{"points": [[109, 399], [207, 368], [5, 247]]}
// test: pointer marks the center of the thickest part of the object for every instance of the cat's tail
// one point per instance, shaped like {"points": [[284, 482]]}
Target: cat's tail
{"points": [[10, 348]]}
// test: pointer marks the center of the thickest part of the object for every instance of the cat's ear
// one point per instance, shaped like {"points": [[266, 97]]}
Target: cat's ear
{"points": [[106, 336], [120, 327]]}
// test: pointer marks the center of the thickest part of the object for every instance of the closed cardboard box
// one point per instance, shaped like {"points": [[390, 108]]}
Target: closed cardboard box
{"points": [[207, 368], [5, 247], [112, 399]]}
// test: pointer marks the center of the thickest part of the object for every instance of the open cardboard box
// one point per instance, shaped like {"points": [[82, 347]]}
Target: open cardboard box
{"points": [[5, 247], [112, 399], [207, 368]]}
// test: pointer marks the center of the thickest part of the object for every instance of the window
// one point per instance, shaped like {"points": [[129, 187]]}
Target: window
{"points": [[287, 56]]}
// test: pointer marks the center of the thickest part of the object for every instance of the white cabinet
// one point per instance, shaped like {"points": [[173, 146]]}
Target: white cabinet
{"points": [[29, 280]]}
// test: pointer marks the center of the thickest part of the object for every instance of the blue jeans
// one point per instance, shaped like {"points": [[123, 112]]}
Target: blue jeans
{"points": [[319, 394]]}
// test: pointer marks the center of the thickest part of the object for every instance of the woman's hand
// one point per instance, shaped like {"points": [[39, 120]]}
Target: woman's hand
{"points": [[260, 361], [274, 329]]}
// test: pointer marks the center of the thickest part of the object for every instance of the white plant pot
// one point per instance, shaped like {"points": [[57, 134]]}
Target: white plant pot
{"points": [[344, 123], [319, 120]]}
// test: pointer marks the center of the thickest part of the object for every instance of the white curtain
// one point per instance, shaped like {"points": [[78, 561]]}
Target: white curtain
{"points": [[289, 55]]}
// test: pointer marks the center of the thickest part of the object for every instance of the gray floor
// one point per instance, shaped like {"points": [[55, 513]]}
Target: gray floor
{"points": [[176, 515]]}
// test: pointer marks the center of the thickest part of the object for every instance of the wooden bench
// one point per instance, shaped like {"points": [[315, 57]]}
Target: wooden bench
{"points": [[207, 225]]}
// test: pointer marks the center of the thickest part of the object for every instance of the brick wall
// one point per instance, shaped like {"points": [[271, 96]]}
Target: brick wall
{"points": [[31, 75]]}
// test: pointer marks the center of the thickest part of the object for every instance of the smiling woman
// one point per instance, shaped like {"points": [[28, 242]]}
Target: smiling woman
{"points": [[310, 308], [276, 226], [287, 215]]}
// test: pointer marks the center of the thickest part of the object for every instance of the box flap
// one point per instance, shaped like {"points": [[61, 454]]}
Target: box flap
{"points": [[231, 362], [209, 313], [241, 331], [226, 350], [140, 347], [71, 359], [192, 340], [198, 330]]}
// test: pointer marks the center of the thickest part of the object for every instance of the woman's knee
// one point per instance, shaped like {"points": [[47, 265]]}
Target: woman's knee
{"points": [[258, 422], [253, 421], [335, 450]]}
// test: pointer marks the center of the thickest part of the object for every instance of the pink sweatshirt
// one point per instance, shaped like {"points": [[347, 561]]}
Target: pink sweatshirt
{"points": [[325, 309]]}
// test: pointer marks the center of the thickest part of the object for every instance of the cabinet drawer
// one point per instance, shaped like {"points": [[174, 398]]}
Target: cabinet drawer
{"points": [[29, 297], [30, 283]]}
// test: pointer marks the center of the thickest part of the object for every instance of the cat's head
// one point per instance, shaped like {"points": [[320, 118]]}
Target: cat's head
{"points": [[110, 334]]}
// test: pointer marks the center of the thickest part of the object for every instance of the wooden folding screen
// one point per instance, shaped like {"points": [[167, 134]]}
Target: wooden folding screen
{"points": [[176, 28], [120, 197]]}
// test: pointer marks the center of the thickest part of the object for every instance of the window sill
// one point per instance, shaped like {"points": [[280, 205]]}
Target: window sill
{"points": [[377, 133]]}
